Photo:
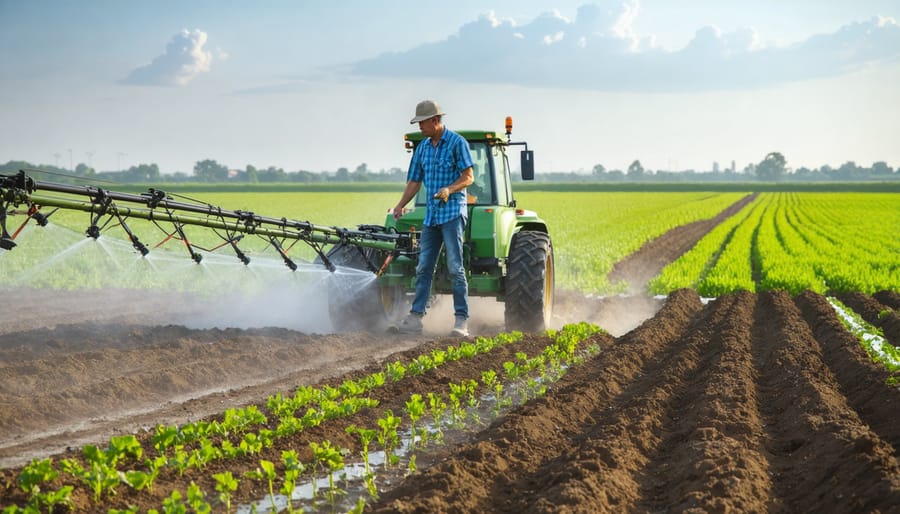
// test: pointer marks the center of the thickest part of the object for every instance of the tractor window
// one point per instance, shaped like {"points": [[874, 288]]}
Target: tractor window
{"points": [[481, 192]]}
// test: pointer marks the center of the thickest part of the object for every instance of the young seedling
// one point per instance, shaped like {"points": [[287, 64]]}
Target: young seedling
{"points": [[226, 485], [197, 500], [388, 436], [415, 409], [140, 479], [411, 467], [292, 470], [98, 475], [330, 458], [174, 504], [123, 447], [437, 407], [33, 476], [457, 411], [490, 381], [268, 473], [396, 371], [366, 436]]}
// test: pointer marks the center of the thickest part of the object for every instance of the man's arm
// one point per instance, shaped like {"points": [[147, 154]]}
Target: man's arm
{"points": [[408, 194]]}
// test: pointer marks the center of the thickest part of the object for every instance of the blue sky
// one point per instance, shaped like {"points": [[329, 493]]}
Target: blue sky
{"points": [[317, 85]]}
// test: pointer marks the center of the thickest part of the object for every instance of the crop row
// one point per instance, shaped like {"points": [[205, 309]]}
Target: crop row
{"points": [[793, 242], [257, 433]]}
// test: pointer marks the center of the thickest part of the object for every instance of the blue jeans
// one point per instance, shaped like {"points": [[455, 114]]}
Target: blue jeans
{"points": [[451, 235]]}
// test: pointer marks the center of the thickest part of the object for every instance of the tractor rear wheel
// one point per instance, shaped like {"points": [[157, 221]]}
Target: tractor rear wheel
{"points": [[356, 301], [529, 282]]}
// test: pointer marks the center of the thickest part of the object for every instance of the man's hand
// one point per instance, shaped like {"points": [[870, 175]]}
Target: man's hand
{"points": [[443, 194], [398, 212]]}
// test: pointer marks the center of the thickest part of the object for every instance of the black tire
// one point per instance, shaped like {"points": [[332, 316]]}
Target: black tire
{"points": [[529, 282], [356, 301]]}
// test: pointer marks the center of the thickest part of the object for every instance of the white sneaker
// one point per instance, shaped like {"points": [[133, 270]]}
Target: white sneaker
{"points": [[411, 325], [460, 327]]}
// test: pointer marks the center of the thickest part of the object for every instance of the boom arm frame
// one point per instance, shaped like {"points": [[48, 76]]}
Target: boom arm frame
{"points": [[105, 206]]}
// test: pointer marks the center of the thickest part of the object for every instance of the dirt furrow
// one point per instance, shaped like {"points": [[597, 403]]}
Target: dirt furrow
{"points": [[823, 457], [710, 459], [862, 381], [875, 313], [889, 298], [607, 470], [491, 473], [600, 466]]}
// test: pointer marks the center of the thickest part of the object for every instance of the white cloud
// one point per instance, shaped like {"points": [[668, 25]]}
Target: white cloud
{"points": [[600, 50], [184, 59]]}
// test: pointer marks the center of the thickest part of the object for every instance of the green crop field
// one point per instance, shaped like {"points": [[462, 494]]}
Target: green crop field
{"points": [[795, 241], [593, 231]]}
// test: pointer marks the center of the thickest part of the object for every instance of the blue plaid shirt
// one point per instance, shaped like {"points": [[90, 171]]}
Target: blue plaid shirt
{"points": [[439, 166]]}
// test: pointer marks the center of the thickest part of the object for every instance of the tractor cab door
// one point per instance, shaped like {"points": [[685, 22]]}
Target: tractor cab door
{"points": [[483, 189]]}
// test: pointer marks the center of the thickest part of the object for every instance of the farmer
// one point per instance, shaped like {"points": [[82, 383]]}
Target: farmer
{"points": [[443, 162]]}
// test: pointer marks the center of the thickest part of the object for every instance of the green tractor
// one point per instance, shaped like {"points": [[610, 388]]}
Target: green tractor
{"points": [[507, 251]]}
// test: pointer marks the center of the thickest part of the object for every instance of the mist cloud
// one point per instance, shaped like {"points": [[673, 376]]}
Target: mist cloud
{"points": [[184, 59], [600, 50]]}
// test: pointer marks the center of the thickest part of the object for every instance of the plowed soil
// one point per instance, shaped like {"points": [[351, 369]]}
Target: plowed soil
{"points": [[748, 403], [753, 403]]}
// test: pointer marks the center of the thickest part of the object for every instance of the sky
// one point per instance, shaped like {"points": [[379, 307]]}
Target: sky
{"points": [[319, 85]]}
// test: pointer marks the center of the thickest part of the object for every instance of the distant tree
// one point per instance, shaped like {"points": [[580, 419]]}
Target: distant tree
{"points": [[881, 168], [772, 168], [252, 175], [342, 175], [210, 171], [84, 170], [361, 173], [635, 170], [804, 173], [848, 171], [139, 173], [306, 176], [272, 174], [616, 175], [599, 170]]}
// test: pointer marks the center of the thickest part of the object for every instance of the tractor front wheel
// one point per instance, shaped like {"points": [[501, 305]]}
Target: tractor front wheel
{"points": [[529, 282]]}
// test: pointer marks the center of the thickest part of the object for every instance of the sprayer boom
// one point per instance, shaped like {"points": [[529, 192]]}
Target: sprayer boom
{"points": [[158, 207]]}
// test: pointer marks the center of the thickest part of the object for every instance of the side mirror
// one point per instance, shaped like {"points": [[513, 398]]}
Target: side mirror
{"points": [[527, 164]]}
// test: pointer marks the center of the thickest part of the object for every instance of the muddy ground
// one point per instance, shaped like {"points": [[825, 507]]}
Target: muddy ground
{"points": [[750, 403]]}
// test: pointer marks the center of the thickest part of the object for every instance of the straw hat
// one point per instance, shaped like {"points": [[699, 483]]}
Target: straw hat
{"points": [[425, 110]]}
